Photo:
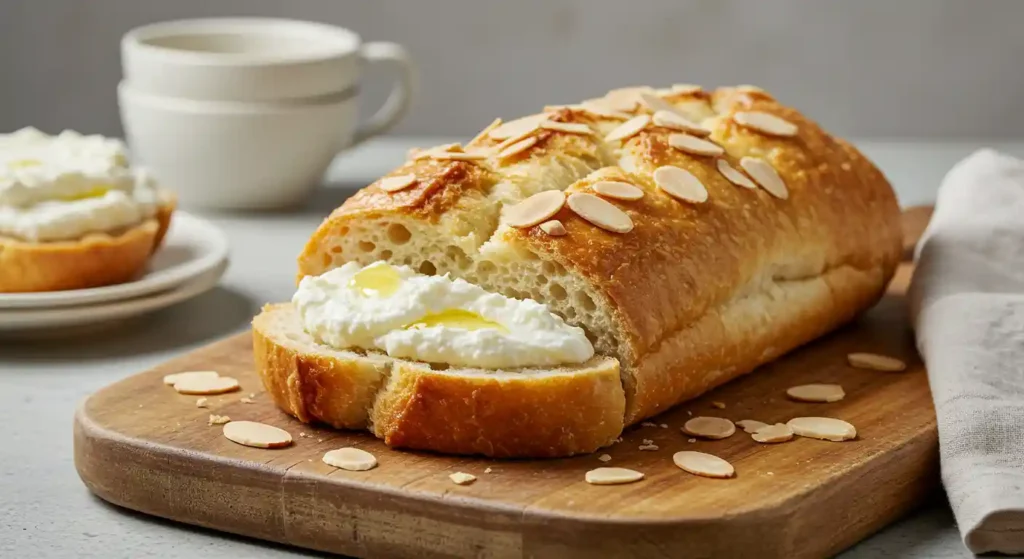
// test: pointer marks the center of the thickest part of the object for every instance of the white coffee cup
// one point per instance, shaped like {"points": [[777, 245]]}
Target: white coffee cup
{"points": [[247, 112]]}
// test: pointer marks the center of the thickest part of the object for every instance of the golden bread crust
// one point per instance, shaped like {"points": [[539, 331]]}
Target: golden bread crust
{"points": [[95, 260]]}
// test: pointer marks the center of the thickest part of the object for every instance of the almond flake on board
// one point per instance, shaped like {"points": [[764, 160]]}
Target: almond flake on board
{"points": [[201, 403], [694, 145], [488, 470], [820, 393], [553, 228], [664, 426], [648, 447], [733, 175], [517, 127], [605, 457], [257, 435], [397, 183], [648, 424], [462, 478], [628, 129], [778, 433], [618, 190], [599, 212], [218, 419], [751, 425], [351, 459], [719, 405], [535, 209], [680, 184], [765, 175], [246, 400], [172, 379], [205, 386], [876, 362], [518, 147], [612, 476], [825, 428], [709, 427], [766, 123], [703, 464], [567, 127], [675, 121]]}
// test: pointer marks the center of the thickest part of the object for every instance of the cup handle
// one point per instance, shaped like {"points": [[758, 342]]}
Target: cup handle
{"points": [[398, 100]]}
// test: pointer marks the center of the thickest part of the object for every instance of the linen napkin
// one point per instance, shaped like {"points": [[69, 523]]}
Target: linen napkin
{"points": [[967, 303]]}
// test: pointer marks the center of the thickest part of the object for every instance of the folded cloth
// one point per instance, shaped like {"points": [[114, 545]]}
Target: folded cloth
{"points": [[967, 303]]}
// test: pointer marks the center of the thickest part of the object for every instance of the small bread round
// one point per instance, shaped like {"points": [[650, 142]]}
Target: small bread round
{"points": [[95, 260]]}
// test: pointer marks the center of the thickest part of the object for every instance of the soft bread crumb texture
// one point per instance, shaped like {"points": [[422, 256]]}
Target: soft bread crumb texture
{"points": [[695, 294]]}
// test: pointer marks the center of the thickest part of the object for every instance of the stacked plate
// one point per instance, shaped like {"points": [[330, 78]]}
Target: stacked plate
{"points": [[191, 261]]}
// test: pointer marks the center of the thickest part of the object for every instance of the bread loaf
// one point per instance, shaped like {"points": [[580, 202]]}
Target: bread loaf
{"points": [[755, 233]]}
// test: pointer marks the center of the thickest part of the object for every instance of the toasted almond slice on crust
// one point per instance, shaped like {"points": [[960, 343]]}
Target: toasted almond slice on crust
{"points": [[258, 435], [685, 89], [826, 428], [459, 155], [694, 145], [778, 433], [709, 427], [600, 212], [396, 183], [351, 459], [462, 478], [518, 147], [703, 464], [766, 123], [821, 393], [680, 184], [567, 127], [600, 109], [174, 378], [517, 127], [751, 425], [486, 131], [204, 386], [628, 129], [675, 121], [876, 362], [553, 228], [612, 476], [535, 209], [733, 175], [765, 175], [618, 190]]}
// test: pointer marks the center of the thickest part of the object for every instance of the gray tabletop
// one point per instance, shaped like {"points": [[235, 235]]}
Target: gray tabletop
{"points": [[45, 511]]}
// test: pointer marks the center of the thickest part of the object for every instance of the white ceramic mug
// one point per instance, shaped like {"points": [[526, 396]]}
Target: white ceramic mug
{"points": [[247, 112]]}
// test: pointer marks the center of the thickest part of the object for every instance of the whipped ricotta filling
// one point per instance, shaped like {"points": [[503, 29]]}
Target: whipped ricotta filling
{"points": [[433, 319], [65, 186]]}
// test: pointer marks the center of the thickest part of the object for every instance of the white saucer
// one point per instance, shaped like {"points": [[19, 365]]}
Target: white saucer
{"points": [[193, 247], [27, 321]]}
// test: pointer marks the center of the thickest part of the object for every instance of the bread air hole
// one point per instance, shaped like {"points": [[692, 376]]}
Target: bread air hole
{"points": [[386, 255], [366, 246], [427, 268], [557, 291], [398, 234], [584, 300], [486, 268], [336, 249]]}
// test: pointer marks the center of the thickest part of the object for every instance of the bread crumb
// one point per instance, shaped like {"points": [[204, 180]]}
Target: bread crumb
{"points": [[487, 470], [301, 434], [647, 424], [719, 405], [252, 394], [319, 440], [648, 441], [462, 478], [245, 400], [770, 474], [605, 457], [618, 440], [201, 403], [691, 440], [219, 419], [688, 412], [648, 447], [664, 426]]}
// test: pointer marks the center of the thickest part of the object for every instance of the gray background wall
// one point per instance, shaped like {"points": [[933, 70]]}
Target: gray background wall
{"points": [[934, 68]]}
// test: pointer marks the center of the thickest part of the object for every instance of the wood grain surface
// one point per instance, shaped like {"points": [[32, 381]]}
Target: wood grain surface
{"points": [[141, 445]]}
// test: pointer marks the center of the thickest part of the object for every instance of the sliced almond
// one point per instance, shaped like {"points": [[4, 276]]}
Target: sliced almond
{"points": [[517, 127], [733, 175], [624, 98], [486, 131], [694, 145], [396, 183], [709, 427], [746, 88], [826, 428], [462, 478], [751, 425], [766, 123], [680, 184], [600, 213], [876, 362], [174, 378], [628, 129], [605, 458], [822, 393], [218, 419], [459, 155], [553, 228], [487, 470], [769, 434], [685, 89], [427, 153], [517, 148], [674, 121], [612, 476], [567, 127], [535, 209], [618, 190], [351, 459], [205, 386], [765, 175], [259, 435], [648, 446], [599, 109], [654, 103], [703, 464]]}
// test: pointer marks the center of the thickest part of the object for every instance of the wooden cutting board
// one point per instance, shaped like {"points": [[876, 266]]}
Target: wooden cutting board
{"points": [[141, 445]]}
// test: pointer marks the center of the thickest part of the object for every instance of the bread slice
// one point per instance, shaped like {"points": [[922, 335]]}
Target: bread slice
{"points": [[527, 412], [95, 260]]}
